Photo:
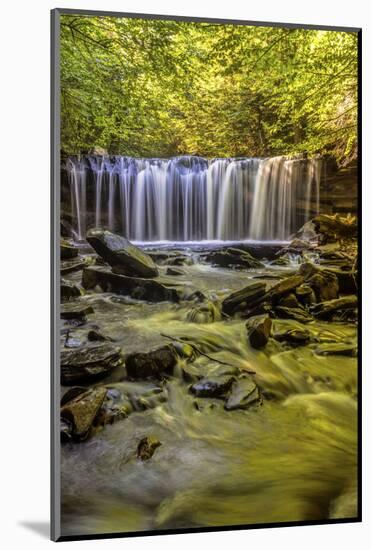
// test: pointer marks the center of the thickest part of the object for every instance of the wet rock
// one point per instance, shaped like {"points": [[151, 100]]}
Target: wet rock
{"points": [[121, 254], [232, 257], [348, 349], [290, 300], [75, 310], [305, 295], [71, 394], [294, 337], [326, 310], [298, 314], [323, 282], [72, 265], [141, 289], [68, 251], [88, 363], [217, 386], [154, 364], [71, 341], [264, 308], [347, 279], [244, 298], [244, 393], [285, 286], [173, 272], [283, 260], [189, 295], [179, 259], [97, 336], [258, 330], [207, 313], [69, 291], [147, 446], [81, 411]]}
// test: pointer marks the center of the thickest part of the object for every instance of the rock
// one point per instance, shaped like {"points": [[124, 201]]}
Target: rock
{"points": [[265, 308], [285, 286], [146, 447], [348, 349], [347, 279], [69, 291], [244, 393], [323, 282], [217, 386], [89, 363], [258, 330], [290, 300], [141, 289], [295, 337], [71, 342], [72, 393], [81, 411], [72, 265], [189, 295], [96, 336], [174, 272], [325, 310], [335, 225], [232, 257], [154, 364], [298, 314], [283, 260], [68, 251], [305, 295], [242, 299], [207, 313], [121, 254], [179, 259], [75, 310]]}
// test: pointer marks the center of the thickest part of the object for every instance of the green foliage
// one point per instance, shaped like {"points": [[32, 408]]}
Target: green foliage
{"points": [[160, 88]]}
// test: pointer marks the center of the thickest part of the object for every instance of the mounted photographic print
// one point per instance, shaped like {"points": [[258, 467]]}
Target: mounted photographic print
{"points": [[205, 220]]}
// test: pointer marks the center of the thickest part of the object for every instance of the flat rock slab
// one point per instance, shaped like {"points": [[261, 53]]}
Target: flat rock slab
{"points": [[347, 349], [325, 310], [295, 337], [148, 290], [81, 411], [75, 310], [244, 298], [120, 253], [217, 386], [297, 314], [232, 257], [243, 395], [285, 286], [89, 363], [68, 251], [70, 266]]}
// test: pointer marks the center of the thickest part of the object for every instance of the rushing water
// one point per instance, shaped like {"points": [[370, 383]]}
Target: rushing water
{"points": [[193, 199], [294, 458]]}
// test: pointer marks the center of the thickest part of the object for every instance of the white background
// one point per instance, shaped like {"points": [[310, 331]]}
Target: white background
{"points": [[24, 253]]}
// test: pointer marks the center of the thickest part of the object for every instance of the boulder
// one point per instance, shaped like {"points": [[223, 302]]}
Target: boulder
{"points": [[217, 386], [147, 446], [294, 337], [75, 310], [243, 299], [72, 265], [68, 251], [244, 393], [290, 300], [97, 336], [154, 364], [305, 295], [335, 225], [325, 310], [232, 257], [88, 363], [80, 412], [298, 314], [258, 330], [323, 282], [173, 272], [148, 290], [118, 252], [69, 291], [285, 286]]}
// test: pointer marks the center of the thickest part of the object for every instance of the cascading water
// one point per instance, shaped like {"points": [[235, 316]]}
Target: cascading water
{"points": [[193, 199]]}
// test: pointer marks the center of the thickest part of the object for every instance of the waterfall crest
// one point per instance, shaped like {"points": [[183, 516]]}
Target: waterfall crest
{"points": [[192, 199]]}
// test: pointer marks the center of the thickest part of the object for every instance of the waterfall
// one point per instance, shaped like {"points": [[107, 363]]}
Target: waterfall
{"points": [[190, 198]]}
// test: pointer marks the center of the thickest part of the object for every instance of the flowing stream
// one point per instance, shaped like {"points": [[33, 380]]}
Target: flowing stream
{"points": [[192, 199], [291, 459]]}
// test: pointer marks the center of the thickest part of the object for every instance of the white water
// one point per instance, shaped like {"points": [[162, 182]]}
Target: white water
{"points": [[192, 199]]}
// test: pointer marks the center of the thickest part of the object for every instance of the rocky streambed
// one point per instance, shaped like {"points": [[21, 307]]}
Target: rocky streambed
{"points": [[208, 385]]}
